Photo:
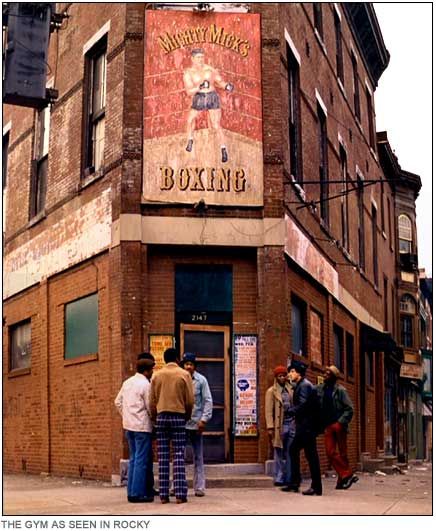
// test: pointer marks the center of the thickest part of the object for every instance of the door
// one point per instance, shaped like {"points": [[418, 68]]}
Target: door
{"points": [[210, 344]]}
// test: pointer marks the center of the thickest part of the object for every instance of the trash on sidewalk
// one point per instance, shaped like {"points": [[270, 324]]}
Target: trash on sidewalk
{"points": [[379, 473], [397, 469], [421, 468]]}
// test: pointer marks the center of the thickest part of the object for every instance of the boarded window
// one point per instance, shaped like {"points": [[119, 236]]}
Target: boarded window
{"points": [[21, 345], [316, 338], [81, 327]]}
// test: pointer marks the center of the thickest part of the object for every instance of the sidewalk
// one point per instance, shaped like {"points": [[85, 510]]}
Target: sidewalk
{"points": [[408, 494]]}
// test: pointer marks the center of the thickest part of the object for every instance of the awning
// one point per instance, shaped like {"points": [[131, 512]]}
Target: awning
{"points": [[375, 341]]}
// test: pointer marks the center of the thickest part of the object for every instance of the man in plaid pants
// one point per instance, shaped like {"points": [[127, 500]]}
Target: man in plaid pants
{"points": [[171, 403]]}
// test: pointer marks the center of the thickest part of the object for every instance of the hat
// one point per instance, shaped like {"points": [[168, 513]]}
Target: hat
{"points": [[334, 370], [189, 356], [299, 367], [280, 370]]}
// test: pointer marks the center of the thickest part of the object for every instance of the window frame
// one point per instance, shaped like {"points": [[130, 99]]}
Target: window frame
{"points": [[323, 164], [356, 89], [12, 328], [339, 51], [38, 187], [361, 221], [371, 123], [77, 358], [338, 331], [294, 115], [375, 271], [317, 19], [93, 118], [404, 238], [299, 302], [345, 236], [5, 156], [313, 310], [350, 340]]}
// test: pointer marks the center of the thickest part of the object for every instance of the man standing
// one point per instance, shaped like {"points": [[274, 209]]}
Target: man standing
{"points": [[200, 80], [133, 404], [201, 414], [171, 402], [337, 412], [306, 413], [280, 425]]}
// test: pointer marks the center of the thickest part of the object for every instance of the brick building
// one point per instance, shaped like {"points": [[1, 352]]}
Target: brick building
{"points": [[120, 239]]}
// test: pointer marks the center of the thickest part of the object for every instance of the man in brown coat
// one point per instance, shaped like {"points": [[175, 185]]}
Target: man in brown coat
{"points": [[281, 427], [171, 403]]}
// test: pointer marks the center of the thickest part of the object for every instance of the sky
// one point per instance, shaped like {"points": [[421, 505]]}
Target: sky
{"points": [[403, 103]]}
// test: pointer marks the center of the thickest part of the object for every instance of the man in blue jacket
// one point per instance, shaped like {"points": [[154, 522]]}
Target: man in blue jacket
{"points": [[201, 414], [306, 413]]}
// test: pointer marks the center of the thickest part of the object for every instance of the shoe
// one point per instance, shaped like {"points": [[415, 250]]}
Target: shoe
{"points": [[140, 499], [200, 493], [279, 484], [181, 500], [290, 488], [165, 499], [224, 156], [189, 145], [340, 485], [312, 492], [347, 482], [155, 492]]}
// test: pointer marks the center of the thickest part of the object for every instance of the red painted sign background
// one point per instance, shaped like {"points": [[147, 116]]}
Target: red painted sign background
{"points": [[166, 103]]}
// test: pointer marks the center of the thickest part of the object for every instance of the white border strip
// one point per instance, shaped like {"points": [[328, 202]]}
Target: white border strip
{"points": [[96, 37], [338, 12], [7, 128], [293, 47], [321, 102]]}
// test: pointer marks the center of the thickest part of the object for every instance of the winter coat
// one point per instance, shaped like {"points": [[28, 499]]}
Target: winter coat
{"points": [[341, 403], [306, 409], [274, 413]]}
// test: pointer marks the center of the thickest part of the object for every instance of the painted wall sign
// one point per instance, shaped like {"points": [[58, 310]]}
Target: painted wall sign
{"points": [[158, 345], [202, 108], [245, 378], [307, 256]]}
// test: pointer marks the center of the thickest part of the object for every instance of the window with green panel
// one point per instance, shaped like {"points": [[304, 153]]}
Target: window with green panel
{"points": [[81, 327]]}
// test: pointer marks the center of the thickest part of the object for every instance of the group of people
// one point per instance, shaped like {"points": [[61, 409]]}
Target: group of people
{"points": [[176, 403], [296, 413]]}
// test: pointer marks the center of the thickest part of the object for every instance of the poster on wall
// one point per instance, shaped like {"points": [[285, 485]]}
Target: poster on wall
{"points": [[245, 378], [158, 345], [202, 108]]}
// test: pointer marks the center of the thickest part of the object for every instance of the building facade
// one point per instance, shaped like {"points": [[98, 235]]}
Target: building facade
{"points": [[208, 179]]}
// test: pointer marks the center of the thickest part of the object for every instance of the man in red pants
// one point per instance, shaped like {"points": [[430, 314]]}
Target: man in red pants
{"points": [[337, 412]]}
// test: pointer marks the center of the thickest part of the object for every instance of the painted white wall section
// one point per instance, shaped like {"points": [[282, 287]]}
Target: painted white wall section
{"points": [[80, 235]]}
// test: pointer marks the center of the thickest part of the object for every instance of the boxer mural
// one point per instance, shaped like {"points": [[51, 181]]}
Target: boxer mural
{"points": [[200, 80], [202, 109]]}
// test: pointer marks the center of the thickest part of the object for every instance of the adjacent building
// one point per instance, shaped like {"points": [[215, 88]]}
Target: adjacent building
{"points": [[208, 178]]}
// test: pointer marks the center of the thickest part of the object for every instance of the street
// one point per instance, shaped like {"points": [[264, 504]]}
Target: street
{"points": [[403, 494]]}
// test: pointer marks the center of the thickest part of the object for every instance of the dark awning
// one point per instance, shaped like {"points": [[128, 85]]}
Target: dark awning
{"points": [[373, 340]]}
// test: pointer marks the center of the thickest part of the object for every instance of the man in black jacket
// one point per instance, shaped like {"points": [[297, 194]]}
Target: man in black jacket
{"points": [[306, 413]]}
